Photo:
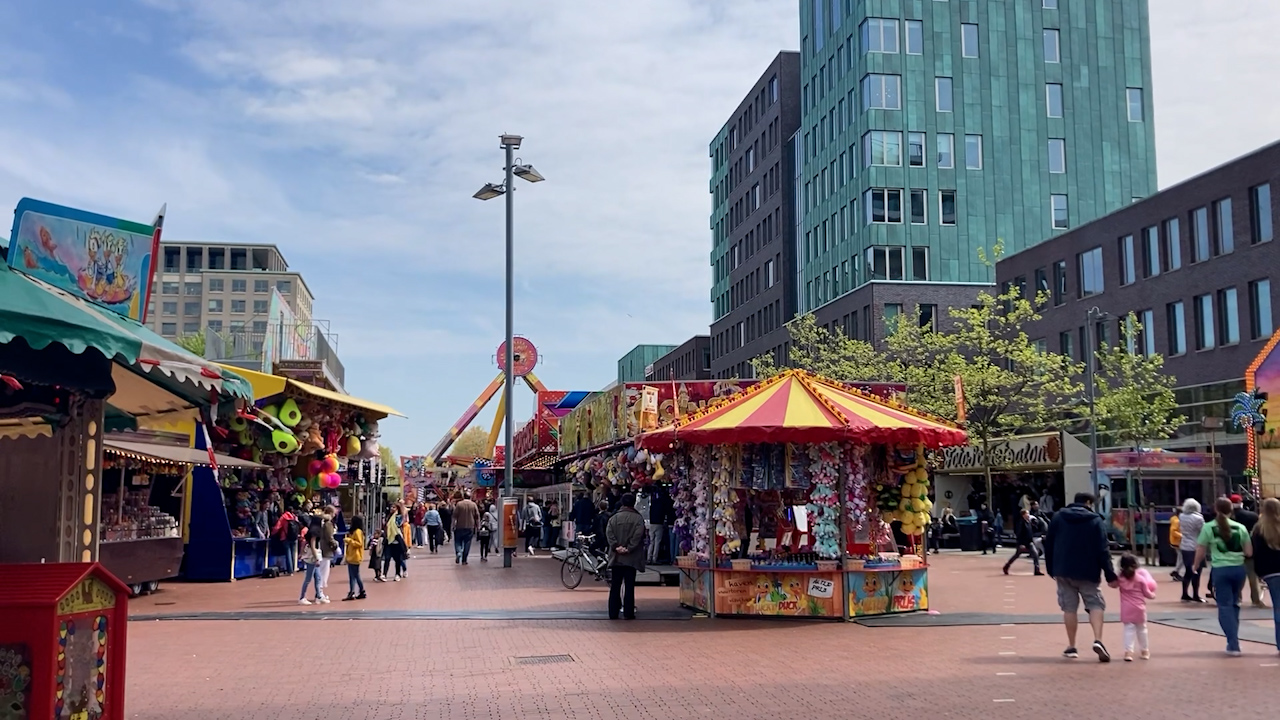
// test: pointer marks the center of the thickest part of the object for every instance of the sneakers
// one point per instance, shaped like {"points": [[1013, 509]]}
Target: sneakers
{"points": [[1101, 651], [1234, 653], [397, 578], [1071, 653], [1128, 656], [303, 601], [1145, 655], [1006, 569], [323, 599], [362, 596], [349, 597]]}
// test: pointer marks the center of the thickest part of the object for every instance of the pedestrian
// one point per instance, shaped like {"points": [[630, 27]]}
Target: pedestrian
{"points": [[1024, 536], [287, 529], [488, 529], [987, 525], [419, 519], [531, 519], [1190, 523], [1226, 544], [1175, 542], [583, 514], [353, 555], [657, 527], [626, 535], [1266, 554], [393, 544], [466, 518], [376, 551], [1249, 519], [310, 559], [328, 546], [1136, 587], [551, 533], [446, 520], [435, 532], [1077, 556]]}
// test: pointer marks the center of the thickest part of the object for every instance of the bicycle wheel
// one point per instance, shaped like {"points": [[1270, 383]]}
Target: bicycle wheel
{"points": [[571, 571]]}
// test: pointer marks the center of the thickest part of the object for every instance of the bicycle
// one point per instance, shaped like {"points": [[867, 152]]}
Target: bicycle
{"points": [[581, 559]]}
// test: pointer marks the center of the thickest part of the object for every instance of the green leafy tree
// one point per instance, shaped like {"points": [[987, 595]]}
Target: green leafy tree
{"points": [[391, 462], [1134, 398], [473, 442], [193, 343], [829, 354]]}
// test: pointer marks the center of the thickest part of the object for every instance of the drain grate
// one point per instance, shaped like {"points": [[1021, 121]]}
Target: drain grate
{"points": [[543, 659]]}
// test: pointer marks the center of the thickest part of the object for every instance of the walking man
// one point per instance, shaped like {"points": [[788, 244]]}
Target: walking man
{"points": [[1249, 519], [1077, 556], [626, 533], [466, 518], [1024, 531]]}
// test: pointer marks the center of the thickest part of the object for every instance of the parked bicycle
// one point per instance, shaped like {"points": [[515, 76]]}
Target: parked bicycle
{"points": [[581, 560]]}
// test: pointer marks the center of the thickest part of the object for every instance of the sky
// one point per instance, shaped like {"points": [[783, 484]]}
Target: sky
{"points": [[353, 135]]}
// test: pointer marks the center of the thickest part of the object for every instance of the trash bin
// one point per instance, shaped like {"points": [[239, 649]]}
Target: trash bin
{"points": [[1168, 554], [970, 535], [63, 637]]}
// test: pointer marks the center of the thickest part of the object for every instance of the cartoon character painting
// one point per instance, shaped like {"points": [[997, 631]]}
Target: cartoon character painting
{"points": [[869, 597], [103, 276]]}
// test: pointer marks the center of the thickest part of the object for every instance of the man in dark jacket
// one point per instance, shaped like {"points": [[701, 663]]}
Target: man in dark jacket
{"points": [[626, 533], [1249, 519], [1024, 535], [1077, 557]]}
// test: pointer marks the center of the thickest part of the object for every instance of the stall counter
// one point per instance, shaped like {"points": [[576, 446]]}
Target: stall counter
{"points": [[775, 592]]}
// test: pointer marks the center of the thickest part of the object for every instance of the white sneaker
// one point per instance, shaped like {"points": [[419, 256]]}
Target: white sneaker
{"points": [[324, 599], [304, 601]]}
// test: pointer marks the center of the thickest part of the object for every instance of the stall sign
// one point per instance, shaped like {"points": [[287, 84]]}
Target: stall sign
{"points": [[104, 260], [1029, 452], [648, 408], [693, 589], [1186, 461], [594, 423], [510, 523], [879, 593], [776, 593], [821, 587], [91, 594]]}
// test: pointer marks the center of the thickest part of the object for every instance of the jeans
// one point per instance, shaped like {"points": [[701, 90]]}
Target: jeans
{"points": [[419, 535], [622, 592], [1190, 577], [290, 556], [1273, 584], [394, 553], [353, 578], [1028, 550], [462, 543], [433, 537], [1228, 583], [672, 549], [483, 542], [310, 572]]}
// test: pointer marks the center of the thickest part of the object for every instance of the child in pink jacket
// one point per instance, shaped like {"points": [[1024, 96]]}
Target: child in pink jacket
{"points": [[1136, 587]]}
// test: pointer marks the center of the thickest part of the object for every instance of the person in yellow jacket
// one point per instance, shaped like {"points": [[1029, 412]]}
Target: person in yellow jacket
{"points": [[1175, 539], [353, 555]]}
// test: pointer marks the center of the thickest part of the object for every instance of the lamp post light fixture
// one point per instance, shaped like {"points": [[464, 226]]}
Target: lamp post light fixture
{"points": [[1213, 425], [509, 143], [1091, 342]]}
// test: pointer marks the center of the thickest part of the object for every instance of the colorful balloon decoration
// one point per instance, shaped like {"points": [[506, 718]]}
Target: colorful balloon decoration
{"points": [[329, 464], [313, 467]]}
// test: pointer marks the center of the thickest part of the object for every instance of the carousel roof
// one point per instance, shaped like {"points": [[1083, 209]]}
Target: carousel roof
{"points": [[798, 407]]}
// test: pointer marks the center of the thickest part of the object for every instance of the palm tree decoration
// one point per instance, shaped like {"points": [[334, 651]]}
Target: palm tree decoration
{"points": [[1246, 414]]}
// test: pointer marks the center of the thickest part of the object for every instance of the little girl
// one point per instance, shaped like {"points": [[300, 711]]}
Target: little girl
{"points": [[1136, 587], [375, 555]]}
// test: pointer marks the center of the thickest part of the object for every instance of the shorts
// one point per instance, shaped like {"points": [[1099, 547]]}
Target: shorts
{"points": [[1071, 591]]}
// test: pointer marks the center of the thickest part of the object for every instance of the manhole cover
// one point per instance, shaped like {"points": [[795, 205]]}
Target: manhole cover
{"points": [[544, 659]]}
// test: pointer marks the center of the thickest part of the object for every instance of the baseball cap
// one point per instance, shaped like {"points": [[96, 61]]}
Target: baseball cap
{"points": [[1236, 499]]}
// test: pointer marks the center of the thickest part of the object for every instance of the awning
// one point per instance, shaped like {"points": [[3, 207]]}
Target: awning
{"points": [[173, 453], [266, 386], [797, 407]]}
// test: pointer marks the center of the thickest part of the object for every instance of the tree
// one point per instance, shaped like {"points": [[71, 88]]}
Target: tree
{"points": [[831, 355], [473, 442], [193, 343], [390, 462], [1134, 399]]}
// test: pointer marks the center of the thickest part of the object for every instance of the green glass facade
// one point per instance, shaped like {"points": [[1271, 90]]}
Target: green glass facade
{"points": [[933, 128], [631, 367]]}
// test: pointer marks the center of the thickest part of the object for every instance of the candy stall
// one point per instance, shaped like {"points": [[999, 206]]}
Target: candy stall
{"points": [[788, 495]]}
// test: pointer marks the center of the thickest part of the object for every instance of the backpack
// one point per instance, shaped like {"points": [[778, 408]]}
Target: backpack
{"points": [[292, 529]]}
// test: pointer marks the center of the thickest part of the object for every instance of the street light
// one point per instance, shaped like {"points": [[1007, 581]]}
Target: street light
{"points": [[1213, 425], [509, 143], [1093, 316]]}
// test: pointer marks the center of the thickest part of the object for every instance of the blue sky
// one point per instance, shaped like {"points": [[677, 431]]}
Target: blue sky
{"points": [[352, 134]]}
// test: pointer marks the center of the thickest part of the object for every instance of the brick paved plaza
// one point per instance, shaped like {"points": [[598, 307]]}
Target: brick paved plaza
{"points": [[294, 667]]}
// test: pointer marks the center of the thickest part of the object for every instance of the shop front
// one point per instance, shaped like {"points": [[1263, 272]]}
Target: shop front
{"points": [[1147, 489], [1048, 468]]}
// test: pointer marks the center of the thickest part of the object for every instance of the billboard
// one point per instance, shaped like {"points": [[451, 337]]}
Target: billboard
{"points": [[105, 260]]}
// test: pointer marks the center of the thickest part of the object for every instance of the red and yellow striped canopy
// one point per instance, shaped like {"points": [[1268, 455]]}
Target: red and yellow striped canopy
{"points": [[797, 407]]}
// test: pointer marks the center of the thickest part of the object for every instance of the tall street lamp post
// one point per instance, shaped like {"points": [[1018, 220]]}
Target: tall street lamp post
{"points": [[1094, 316], [513, 168]]}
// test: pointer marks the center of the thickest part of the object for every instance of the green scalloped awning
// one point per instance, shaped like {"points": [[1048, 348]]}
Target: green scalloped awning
{"points": [[40, 317]]}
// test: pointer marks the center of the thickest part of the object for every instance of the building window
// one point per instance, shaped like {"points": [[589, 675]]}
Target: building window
{"points": [[819, 31], [169, 307], [1052, 52], [892, 311], [884, 205], [1053, 97], [879, 35], [261, 286], [1059, 283], [215, 306], [1066, 346], [214, 325], [1061, 216], [1203, 308], [1151, 252], [216, 285], [168, 329], [191, 289], [942, 94], [1090, 267], [191, 309], [259, 326], [168, 288], [259, 307], [882, 147], [237, 306], [886, 263], [1260, 326], [1042, 286], [881, 92], [946, 151], [1200, 243], [973, 152], [1057, 156], [1228, 316], [1147, 334], [1133, 97], [915, 149], [969, 40], [1050, 4], [919, 204], [920, 264], [284, 286], [1128, 266], [773, 89], [1177, 318], [1226, 232], [238, 286], [1172, 244], [915, 37], [947, 207], [1260, 213]]}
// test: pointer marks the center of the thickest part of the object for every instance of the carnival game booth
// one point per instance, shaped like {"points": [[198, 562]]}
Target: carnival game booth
{"points": [[785, 494], [1146, 488]]}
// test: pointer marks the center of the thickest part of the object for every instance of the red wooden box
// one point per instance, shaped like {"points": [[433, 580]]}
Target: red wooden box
{"points": [[62, 642]]}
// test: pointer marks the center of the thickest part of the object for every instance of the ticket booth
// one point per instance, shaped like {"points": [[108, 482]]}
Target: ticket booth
{"points": [[62, 642]]}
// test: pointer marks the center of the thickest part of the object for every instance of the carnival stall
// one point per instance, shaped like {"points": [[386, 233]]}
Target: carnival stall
{"points": [[785, 494]]}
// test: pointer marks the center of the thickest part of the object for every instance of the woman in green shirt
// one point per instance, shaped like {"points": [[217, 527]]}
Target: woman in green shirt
{"points": [[1226, 543]]}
